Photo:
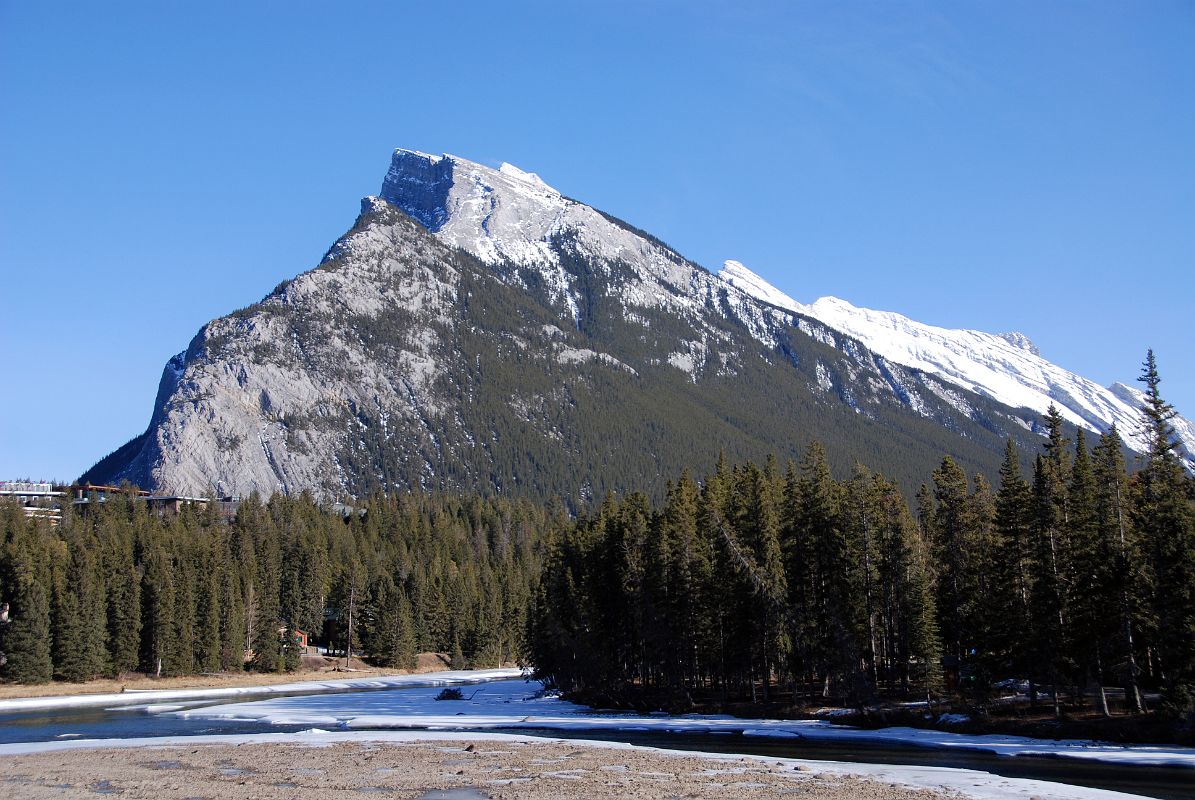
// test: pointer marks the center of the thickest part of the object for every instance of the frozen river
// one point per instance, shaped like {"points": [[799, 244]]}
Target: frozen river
{"points": [[502, 704]]}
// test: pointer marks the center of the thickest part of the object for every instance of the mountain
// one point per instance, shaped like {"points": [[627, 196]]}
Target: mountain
{"points": [[476, 329], [1006, 367]]}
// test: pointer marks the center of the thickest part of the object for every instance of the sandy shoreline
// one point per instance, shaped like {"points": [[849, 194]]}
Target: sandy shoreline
{"points": [[327, 669], [498, 770]]}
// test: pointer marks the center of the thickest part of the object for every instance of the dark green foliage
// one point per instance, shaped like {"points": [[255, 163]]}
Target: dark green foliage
{"points": [[27, 638], [1125, 574], [389, 626], [458, 656], [122, 588], [1080, 581], [80, 623], [760, 580], [1009, 609], [1165, 515]]}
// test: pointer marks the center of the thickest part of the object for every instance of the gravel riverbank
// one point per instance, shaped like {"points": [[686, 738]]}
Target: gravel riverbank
{"points": [[497, 770]]}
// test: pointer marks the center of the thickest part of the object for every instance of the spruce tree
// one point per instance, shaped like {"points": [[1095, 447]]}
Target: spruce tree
{"points": [[1165, 514], [1089, 598], [458, 656], [1125, 574], [157, 604], [836, 647], [26, 637], [402, 654], [688, 579], [951, 546], [268, 623], [1010, 605], [80, 654], [124, 611]]}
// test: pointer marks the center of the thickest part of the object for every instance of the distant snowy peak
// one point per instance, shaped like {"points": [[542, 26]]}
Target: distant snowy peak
{"points": [[496, 214], [1006, 367], [508, 217], [1022, 341]]}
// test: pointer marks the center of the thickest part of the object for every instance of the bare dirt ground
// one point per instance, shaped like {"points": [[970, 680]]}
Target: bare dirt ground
{"points": [[315, 668], [496, 770]]}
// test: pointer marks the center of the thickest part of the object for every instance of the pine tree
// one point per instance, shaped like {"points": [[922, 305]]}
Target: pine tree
{"points": [[27, 638], [80, 654], [157, 604], [800, 573], [1089, 598], [267, 622], [950, 547], [863, 517], [1010, 606], [181, 654], [1166, 518], [402, 654], [1156, 415], [724, 588], [1125, 574], [124, 603], [688, 580], [458, 656], [919, 612], [837, 651]]}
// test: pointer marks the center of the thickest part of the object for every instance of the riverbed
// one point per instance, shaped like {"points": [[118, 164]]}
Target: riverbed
{"points": [[519, 707]]}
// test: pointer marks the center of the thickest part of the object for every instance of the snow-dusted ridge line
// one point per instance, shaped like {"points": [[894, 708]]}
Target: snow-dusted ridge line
{"points": [[968, 783], [510, 216], [157, 696], [1006, 367]]}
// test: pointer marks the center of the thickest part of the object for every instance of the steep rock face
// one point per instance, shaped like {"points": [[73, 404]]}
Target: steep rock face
{"points": [[1006, 367], [263, 399], [478, 330]]}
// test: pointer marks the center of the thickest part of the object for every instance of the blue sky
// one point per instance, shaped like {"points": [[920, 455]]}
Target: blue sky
{"points": [[995, 165]]}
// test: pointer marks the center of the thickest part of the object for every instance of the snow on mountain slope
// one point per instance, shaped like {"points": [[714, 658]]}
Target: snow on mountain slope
{"points": [[1006, 367], [509, 216]]}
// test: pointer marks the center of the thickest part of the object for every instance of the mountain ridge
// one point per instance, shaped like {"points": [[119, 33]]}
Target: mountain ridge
{"points": [[475, 329], [1007, 367]]}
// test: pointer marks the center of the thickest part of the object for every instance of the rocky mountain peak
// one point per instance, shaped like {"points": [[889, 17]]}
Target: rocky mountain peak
{"points": [[1021, 341], [419, 184], [475, 328], [502, 214]]}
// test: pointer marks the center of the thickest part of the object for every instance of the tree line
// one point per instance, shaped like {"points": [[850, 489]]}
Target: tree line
{"points": [[1078, 577], [121, 588]]}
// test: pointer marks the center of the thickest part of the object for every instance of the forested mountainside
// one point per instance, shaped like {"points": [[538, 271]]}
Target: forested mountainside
{"points": [[477, 331]]}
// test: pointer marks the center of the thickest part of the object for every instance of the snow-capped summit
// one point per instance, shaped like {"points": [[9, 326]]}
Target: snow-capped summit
{"points": [[508, 216], [1006, 367], [495, 214]]}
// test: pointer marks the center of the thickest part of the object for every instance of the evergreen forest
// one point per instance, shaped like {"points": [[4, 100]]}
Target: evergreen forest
{"points": [[124, 589], [761, 579]]}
